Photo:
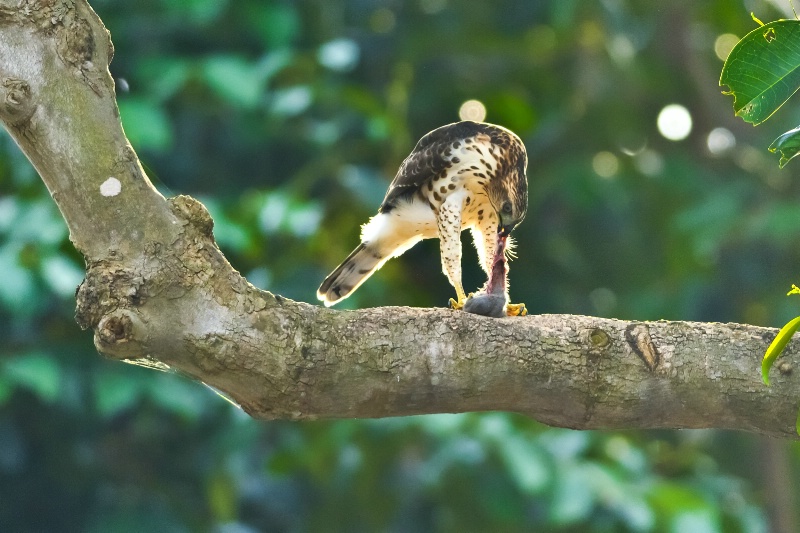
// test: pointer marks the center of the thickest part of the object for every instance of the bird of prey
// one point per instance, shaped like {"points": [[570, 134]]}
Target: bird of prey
{"points": [[462, 175]]}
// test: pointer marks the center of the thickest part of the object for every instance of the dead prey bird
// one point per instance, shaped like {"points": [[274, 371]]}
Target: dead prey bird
{"points": [[492, 301]]}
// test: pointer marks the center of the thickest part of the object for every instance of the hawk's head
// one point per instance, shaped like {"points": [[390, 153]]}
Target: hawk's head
{"points": [[508, 191]]}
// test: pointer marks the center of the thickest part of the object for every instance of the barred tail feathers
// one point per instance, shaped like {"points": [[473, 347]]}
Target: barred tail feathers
{"points": [[383, 237], [359, 265]]}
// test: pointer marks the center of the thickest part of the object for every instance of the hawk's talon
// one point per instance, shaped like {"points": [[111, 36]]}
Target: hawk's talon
{"points": [[456, 305], [462, 299], [516, 310]]}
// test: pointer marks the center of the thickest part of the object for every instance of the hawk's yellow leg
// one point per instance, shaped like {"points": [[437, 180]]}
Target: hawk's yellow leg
{"points": [[448, 221], [461, 298]]}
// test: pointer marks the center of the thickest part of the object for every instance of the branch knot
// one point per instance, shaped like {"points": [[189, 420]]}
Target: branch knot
{"points": [[119, 334], [17, 104], [193, 212]]}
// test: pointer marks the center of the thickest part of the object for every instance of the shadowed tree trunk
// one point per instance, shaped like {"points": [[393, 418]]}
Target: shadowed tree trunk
{"points": [[778, 484], [159, 291]]}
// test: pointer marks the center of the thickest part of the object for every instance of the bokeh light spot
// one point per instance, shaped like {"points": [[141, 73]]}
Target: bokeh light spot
{"points": [[472, 110], [382, 20], [621, 49], [604, 300], [605, 164], [649, 162], [724, 44], [674, 122], [720, 140], [542, 44], [339, 54], [431, 7]]}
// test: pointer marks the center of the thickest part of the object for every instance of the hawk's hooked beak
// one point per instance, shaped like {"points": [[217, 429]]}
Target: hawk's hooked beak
{"points": [[504, 229]]}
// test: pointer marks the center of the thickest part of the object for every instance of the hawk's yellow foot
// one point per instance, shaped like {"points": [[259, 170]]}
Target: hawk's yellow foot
{"points": [[462, 298], [516, 310]]}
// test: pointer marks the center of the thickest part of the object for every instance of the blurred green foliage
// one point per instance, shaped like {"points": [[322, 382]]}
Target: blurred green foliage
{"points": [[288, 119]]}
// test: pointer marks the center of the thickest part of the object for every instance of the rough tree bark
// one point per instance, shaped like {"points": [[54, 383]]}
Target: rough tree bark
{"points": [[158, 290]]}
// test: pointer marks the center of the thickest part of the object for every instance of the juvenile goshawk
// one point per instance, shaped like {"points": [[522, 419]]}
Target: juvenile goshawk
{"points": [[462, 175]]}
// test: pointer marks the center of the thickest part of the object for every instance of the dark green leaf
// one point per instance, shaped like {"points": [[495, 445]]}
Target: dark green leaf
{"points": [[788, 145], [763, 70]]}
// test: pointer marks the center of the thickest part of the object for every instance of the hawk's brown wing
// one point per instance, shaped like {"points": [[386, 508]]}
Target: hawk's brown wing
{"points": [[431, 156]]}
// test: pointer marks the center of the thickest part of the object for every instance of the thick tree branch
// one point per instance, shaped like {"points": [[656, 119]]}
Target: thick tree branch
{"points": [[158, 290]]}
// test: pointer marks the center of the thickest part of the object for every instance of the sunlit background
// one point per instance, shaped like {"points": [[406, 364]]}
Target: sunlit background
{"points": [[648, 200]]}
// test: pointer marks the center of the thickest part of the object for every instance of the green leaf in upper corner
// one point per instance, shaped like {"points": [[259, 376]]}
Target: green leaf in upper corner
{"points": [[788, 145], [777, 346], [763, 70]]}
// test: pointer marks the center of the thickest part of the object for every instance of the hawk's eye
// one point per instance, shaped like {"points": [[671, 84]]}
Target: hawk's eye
{"points": [[507, 208]]}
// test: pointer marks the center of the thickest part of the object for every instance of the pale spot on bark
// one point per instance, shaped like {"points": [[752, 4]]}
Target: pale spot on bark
{"points": [[111, 187]]}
